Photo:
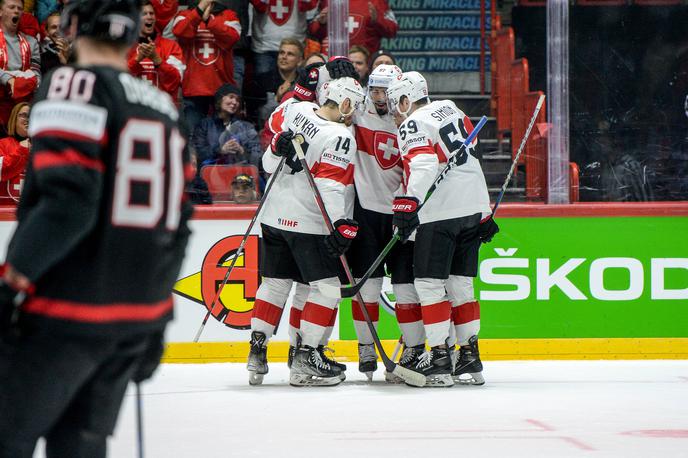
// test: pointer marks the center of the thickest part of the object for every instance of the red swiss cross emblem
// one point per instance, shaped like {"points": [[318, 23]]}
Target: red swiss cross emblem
{"points": [[205, 49], [386, 149], [14, 187], [280, 11]]}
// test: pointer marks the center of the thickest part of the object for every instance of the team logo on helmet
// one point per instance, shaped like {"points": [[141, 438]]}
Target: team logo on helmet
{"points": [[205, 49], [279, 11], [386, 149], [354, 25], [235, 304]]}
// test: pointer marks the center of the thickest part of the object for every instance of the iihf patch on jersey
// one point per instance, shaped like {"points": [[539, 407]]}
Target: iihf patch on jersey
{"points": [[81, 120], [328, 157]]}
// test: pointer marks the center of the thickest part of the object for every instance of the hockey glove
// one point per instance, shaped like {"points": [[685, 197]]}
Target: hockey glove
{"points": [[307, 82], [150, 358], [281, 146], [340, 66], [405, 217], [487, 229], [340, 239]]}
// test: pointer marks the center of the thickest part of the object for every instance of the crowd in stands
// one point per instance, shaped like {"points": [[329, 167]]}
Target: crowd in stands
{"points": [[226, 63]]}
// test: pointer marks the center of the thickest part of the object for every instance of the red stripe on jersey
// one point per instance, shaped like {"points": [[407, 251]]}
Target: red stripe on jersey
{"points": [[440, 153], [465, 313], [333, 318], [276, 121], [332, 172], [316, 314], [295, 318], [66, 158], [66, 135], [408, 313], [270, 313], [436, 313], [96, 313], [373, 309]]}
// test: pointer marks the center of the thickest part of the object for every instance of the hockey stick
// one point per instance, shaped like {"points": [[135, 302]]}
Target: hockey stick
{"points": [[139, 419], [540, 101], [240, 250], [414, 378], [354, 288]]}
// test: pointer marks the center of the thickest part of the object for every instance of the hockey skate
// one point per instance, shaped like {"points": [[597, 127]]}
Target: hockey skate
{"points": [[309, 369], [436, 366], [322, 349], [468, 368], [367, 360], [409, 358], [290, 355], [257, 358]]}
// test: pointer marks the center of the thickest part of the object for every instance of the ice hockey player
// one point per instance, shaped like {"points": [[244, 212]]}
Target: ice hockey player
{"points": [[296, 243], [310, 87], [450, 226], [377, 178], [101, 233]]}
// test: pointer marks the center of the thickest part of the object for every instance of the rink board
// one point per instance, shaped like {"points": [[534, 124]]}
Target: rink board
{"points": [[558, 282]]}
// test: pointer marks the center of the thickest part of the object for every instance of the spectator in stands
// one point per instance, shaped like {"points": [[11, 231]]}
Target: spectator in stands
{"points": [[56, 50], [14, 151], [381, 57], [165, 10], [243, 189], [263, 90], [314, 58], [242, 49], [369, 22], [197, 189], [274, 19], [20, 60], [224, 138], [359, 56], [155, 58], [206, 34]]}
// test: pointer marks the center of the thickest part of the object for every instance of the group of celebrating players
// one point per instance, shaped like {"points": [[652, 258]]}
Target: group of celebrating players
{"points": [[374, 154]]}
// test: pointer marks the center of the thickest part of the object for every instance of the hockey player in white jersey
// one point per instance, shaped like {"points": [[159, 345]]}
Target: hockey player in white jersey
{"points": [[450, 226], [377, 178], [296, 243]]}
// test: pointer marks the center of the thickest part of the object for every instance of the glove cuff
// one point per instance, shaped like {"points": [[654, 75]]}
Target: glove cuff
{"points": [[405, 204], [303, 94], [347, 231]]}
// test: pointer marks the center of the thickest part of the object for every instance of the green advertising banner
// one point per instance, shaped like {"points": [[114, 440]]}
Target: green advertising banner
{"points": [[611, 277]]}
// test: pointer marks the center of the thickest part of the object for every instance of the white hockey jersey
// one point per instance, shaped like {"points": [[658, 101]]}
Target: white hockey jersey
{"points": [[274, 20], [378, 172], [427, 138], [330, 149]]}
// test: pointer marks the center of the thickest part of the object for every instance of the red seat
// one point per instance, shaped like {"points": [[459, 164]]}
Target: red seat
{"points": [[519, 90], [219, 179], [504, 52]]}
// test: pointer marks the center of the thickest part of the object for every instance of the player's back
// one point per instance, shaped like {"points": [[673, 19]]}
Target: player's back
{"points": [[101, 132], [444, 126], [329, 149]]}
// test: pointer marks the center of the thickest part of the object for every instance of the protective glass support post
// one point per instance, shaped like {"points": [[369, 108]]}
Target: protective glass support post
{"points": [[338, 28], [558, 101]]}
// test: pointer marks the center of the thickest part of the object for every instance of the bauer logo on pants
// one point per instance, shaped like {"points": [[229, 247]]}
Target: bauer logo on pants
{"points": [[235, 304]]}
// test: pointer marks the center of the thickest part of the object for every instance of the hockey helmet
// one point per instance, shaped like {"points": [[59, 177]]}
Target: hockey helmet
{"points": [[345, 88], [115, 21], [379, 80], [411, 85]]}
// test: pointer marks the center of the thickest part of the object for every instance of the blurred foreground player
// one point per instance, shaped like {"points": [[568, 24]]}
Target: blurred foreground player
{"points": [[100, 239]]}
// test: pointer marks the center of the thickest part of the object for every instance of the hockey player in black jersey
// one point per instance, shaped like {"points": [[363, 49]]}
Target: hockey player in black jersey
{"points": [[101, 233]]}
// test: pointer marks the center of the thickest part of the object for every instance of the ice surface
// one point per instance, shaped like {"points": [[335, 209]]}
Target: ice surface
{"points": [[526, 409]]}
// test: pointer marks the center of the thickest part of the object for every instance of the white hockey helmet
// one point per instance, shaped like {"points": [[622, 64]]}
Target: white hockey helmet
{"points": [[411, 85], [323, 82], [345, 88], [383, 75]]}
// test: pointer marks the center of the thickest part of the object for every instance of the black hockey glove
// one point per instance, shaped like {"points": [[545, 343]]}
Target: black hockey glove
{"points": [[150, 358], [8, 309], [487, 229], [341, 66], [281, 146], [340, 239], [405, 217], [307, 82]]}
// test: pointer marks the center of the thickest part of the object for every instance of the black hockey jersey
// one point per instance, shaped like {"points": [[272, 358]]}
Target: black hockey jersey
{"points": [[102, 223]]}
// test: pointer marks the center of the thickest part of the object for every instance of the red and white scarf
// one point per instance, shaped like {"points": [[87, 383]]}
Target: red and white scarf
{"points": [[24, 50]]}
